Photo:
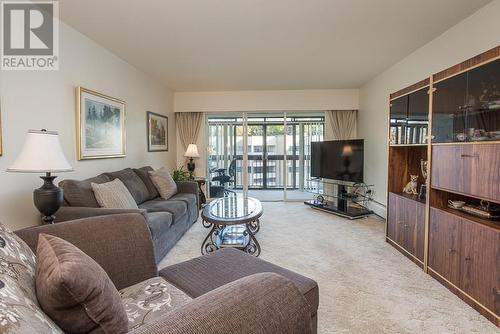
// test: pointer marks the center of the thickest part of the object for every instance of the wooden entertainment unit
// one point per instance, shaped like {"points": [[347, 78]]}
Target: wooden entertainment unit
{"points": [[452, 121]]}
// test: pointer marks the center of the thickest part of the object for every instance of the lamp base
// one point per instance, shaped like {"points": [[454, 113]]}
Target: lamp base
{"points": [[191, 166], [48, 199]]}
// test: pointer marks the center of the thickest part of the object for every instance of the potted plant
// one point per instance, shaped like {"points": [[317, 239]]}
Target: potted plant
{"points": [[180, 174]]}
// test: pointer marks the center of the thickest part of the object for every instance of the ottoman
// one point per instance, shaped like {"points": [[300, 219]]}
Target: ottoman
{"points": [[205, 273]]}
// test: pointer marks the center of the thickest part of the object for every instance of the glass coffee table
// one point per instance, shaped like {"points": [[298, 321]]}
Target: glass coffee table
{"points": [[233, 222]]}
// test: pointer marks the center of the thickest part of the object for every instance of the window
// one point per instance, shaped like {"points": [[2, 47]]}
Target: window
{"points": [[225, 144]]}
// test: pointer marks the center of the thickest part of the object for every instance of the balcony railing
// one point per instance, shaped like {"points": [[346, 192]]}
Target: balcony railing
{"points": [[268, 173]]}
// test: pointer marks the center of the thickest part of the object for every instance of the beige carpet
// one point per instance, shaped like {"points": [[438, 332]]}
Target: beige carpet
{"points": [[366, 286]]}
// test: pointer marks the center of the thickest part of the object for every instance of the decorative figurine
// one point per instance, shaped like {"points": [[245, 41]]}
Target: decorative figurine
{"points": [[423, 186], [411, 187]]}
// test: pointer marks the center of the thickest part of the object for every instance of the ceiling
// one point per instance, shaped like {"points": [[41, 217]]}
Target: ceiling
{"points": [[193, 45]]}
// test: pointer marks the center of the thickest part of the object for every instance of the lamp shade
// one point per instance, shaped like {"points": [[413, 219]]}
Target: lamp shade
{"points": [[41, 153], [192, 151], [347, 151]]}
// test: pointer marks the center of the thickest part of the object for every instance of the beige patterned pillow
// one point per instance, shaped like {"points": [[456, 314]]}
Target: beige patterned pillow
{"points": [[150, 300], [113, 195], [19, 309], [164, 182]]}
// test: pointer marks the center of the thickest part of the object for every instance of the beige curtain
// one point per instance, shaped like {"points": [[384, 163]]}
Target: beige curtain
{"points": [[188, 127], [342, 123]]}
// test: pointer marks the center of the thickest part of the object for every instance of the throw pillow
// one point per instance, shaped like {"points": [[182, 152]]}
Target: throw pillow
{"points": [[19, 308], [75, 291], [113, 195], [164, 182], [143, 173], [134, 184]]}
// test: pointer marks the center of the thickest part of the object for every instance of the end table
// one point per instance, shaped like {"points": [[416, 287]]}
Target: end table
{"points": [[202, 198]]}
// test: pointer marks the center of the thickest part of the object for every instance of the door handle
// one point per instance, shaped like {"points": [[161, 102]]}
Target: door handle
{"points": [[451, 250], [469, 155]]}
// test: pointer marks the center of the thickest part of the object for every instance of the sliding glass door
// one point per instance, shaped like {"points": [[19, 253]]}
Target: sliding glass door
{"points": [[266, 156], [224, 155], [301, 132], [266, 149]]}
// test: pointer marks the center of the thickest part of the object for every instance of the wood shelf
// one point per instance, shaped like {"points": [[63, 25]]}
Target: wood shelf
{"points": [[457, 248], [464, 194], [475, 219], [407, 145], [482, 142], [410, 197], [403, 162]]}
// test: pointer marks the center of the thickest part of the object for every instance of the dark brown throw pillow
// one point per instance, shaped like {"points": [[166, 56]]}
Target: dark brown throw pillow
{"points": [[75, 291], [143, 173]]}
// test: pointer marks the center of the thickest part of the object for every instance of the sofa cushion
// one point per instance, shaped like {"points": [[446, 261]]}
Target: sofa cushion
{"points": [[113, 195], [192, 204], [19, 308], [159, 222], [143, 173], [79, 193], [151, 300], [176, 208], [189, 199], [133, 182], [163, 182], [75, 291]]}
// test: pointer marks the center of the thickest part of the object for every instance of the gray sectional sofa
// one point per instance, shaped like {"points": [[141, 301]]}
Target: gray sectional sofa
{"points": [[168, 220]]}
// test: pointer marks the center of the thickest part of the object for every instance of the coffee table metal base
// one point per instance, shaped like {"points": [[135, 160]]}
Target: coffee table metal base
{"points": [[240, 236]]}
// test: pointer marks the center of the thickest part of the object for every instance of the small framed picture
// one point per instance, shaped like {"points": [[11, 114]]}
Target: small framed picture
{"points": [[100, 125], [157, 132]]}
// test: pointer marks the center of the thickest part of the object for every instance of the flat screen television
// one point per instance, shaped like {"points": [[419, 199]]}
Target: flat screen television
{"points": [[338, 160]]}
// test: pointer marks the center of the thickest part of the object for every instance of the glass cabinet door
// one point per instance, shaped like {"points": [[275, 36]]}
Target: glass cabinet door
{"points": [[418, 105], [466, 107], [399, 108], [483, 103], [418, 117], [398, 116], [448, 110]]}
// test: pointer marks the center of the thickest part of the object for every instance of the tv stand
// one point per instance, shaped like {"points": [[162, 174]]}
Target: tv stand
{"points": [[342, 198], [348, 202]]}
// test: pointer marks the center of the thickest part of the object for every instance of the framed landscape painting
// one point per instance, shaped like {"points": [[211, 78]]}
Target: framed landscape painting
{"points": [[100, 125], [157, 132]]}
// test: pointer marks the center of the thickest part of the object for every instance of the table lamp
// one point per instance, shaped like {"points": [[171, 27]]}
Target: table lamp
{"points": [[42, 153], [191, 152]]}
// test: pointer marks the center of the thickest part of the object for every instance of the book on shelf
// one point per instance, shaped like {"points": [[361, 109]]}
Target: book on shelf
{"points": [[400, 136], [424, 135], [415, 135], [393, 136]]}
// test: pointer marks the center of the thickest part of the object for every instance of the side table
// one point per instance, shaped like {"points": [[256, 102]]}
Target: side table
{"points": [[202, 198]]}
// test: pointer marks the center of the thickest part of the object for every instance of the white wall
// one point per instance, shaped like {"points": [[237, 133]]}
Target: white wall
{"points": [[474, 35], [262, 101], [46, 99], [271, 100]]}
